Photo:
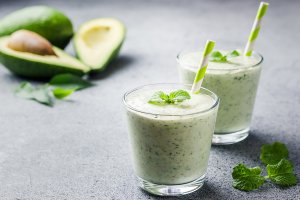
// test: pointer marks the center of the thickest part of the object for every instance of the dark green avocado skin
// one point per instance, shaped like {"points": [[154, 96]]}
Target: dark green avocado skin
{"points": [[34, 69]]}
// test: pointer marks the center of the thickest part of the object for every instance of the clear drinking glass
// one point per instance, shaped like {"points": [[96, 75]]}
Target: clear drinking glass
{"points": [[235, 83], [170, 151]]}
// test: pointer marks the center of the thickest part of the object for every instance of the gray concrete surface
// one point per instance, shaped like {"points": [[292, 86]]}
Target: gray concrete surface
{"points": [[79, 148]]}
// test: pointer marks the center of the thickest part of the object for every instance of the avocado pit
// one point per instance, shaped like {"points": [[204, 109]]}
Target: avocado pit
{"points": [[30, 42]]}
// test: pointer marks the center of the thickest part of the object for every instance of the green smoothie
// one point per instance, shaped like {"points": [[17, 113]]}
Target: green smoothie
{"points": [[235, 82], [170, 143]]}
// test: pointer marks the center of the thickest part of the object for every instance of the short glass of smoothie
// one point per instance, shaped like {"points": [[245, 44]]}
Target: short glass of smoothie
{"points": [[170, 143], [235, 82]]}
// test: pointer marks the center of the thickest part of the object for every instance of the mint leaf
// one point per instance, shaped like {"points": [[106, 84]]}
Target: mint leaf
{"points": [[247, 179], [24, 90], [217, 56], [40, 94], [234, 53], [61, 93], [69, 81], [159, 98], [273, 153], [179, 96], [282, 173]]}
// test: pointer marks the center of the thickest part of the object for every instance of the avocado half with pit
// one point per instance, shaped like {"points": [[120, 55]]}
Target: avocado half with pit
{"points": [[33, 62], [98, 42]]}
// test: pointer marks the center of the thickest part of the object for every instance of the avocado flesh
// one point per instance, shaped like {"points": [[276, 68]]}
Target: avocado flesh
{"points": [[46, 21], [39, 67], [98, 42]]}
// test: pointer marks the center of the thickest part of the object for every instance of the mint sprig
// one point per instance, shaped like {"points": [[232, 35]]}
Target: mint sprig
{"points": [[279, 169], [161, 98], [273, 153], [217, 56], [59, 87], [247, 179]]}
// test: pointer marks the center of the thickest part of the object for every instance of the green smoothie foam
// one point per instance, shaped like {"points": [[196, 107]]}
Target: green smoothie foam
{"points": [[170, 143], [235, 82]]}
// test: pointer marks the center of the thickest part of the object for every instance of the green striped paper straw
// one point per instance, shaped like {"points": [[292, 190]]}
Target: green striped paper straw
{"points": [[255, 28], [202, 69]]}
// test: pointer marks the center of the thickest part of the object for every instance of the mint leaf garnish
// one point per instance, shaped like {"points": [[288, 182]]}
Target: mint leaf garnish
{"points": [[40, 94], [282, 173], [69, 81], [161, 98], [273, 153], [234, 53], [179, 96], [247, 179], [217, 56], [61, 93]]}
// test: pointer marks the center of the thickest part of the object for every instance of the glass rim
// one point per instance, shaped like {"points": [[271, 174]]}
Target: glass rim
{"points": [[211, 94], [208, 69]]}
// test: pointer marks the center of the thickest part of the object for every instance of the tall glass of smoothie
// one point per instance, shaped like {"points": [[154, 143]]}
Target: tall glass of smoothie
{"points": [[235, 82], [170, 143]]}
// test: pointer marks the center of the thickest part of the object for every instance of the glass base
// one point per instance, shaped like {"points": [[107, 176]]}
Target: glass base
{"points": [[230, 138], [171, 190]]}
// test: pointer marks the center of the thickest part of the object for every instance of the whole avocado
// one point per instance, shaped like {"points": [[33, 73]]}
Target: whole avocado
{"points": [[46, 21]]}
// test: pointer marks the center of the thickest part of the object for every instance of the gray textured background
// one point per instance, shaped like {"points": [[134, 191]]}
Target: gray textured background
{"points": [[79, 149]]}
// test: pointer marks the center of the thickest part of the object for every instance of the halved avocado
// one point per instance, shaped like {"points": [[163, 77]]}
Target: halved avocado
{"points": [[39, 66], [98, 42]]}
